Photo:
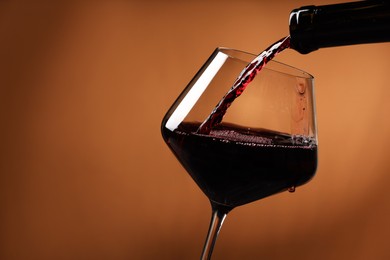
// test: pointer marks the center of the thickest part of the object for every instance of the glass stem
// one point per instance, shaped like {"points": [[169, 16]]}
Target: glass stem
{"points": [[218, 215]]}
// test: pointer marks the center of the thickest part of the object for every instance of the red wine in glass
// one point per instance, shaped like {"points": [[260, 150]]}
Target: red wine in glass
{"points": [[235, 163], [234, 166]]}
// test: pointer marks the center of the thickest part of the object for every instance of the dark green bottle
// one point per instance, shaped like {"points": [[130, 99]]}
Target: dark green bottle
{"points": [[315, 27]]}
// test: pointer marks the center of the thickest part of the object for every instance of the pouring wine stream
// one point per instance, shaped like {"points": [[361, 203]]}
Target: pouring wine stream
{"points": [[246, 76]]}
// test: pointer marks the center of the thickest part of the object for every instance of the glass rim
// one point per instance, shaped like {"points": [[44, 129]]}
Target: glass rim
{"points": [[288, 69]]}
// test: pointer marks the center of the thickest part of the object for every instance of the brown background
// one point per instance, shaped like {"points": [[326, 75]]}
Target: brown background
{"points": [[85, 173]]}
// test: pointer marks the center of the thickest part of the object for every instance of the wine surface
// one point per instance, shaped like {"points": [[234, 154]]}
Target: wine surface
{"points": [[234, 165]]}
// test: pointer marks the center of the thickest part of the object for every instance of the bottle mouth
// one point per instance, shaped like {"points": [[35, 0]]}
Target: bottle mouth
{"points": [[302, 30]]}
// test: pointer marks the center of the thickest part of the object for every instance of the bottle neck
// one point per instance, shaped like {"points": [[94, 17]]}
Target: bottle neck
{"points": [[315, 27]]}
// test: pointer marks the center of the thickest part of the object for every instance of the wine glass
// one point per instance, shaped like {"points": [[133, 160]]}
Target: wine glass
{"points": [[266, 142]]}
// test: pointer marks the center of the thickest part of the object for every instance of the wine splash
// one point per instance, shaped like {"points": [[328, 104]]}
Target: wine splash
{"points": [[246, 76]]}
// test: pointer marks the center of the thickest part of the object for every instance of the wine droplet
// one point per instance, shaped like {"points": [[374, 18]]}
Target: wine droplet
{"points": [[291, 189]]}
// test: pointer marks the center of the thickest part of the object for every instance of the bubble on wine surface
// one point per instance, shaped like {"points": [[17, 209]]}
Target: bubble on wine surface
{"points": [[236, 136]]}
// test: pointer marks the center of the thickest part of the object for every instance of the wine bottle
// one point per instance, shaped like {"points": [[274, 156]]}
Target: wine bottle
{"points": [[315, 27]]}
